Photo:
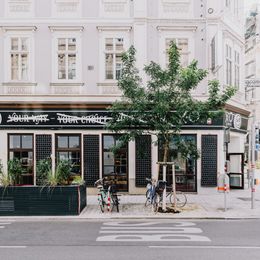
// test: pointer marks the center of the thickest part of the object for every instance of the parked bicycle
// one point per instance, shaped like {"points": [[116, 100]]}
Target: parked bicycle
{"points": [[107, 195], [154, 194]]}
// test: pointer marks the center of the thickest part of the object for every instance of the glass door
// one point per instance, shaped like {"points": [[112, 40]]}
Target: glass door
{"points": [[115, 164], [236, 175]]}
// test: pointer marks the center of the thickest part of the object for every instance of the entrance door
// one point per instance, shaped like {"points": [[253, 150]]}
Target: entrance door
{"points": [[236, 175]]}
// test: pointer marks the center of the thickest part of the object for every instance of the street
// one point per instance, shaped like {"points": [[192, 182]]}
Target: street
{"points": [[129, 239]]}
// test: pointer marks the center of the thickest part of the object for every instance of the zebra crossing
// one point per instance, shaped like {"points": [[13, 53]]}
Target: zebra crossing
{"points": [[3, 224], [150, 232]]}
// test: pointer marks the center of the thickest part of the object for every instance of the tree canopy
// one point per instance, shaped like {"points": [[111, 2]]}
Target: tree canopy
{"points": [[165, 103]]}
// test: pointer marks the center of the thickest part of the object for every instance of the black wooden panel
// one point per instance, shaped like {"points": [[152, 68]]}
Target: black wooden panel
{"points": [[43, 150], [143, 160], [42, 200], [209, 162], [91, 159]]}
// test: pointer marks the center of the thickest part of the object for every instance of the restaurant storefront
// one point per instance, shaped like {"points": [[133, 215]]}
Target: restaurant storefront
{"points": [[75, 133]]}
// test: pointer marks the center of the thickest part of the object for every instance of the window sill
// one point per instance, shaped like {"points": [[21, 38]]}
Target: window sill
{"points": [[20, 84], [108, 83], [69, 84]]}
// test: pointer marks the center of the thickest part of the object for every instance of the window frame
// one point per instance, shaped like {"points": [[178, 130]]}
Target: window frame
{"points": [[228, 64], [173, 33], [71, 33], [178, 177], [69, 149], [126, 150], [182, 53], [237, 58], [13, 32], [110, 33], [20, 150]]}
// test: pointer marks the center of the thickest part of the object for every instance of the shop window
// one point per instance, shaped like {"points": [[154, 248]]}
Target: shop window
{"points": [[185, 168], [68, 147], [20, 146], [115, 164]]}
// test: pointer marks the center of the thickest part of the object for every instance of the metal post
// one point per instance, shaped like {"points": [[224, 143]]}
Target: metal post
{"points": [[164, 191], [225, 196], [253, 160], [174, 187]]}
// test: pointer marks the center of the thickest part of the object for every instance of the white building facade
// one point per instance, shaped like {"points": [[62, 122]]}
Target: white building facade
{"points": [[60, 61]]}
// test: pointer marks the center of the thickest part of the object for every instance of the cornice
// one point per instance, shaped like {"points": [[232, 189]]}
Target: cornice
{"points": [[113, 28], [19, 28], [62, 28], [177, 28]]}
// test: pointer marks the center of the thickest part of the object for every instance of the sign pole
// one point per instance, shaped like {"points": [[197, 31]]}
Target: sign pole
{"points": [[225, 197], [253, 160], [174, 187]]}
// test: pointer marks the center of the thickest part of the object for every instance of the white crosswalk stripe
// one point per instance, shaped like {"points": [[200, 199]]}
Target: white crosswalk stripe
{"points": [[3, 224], [151, 231]]}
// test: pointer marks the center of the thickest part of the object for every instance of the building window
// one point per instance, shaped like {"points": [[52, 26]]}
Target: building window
{"points": [[228, 65], [20, 146], [237, 69], [182, 44], [68, 147], [185, 169], [19, 56], [67, 58], [114, 47], [115, 164], [66, 54]]}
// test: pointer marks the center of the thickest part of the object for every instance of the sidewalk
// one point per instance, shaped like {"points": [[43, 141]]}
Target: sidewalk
{"points": [[209, 203]]}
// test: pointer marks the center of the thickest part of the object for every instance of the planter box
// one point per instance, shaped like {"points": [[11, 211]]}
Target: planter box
{"points": [[42, 201]]}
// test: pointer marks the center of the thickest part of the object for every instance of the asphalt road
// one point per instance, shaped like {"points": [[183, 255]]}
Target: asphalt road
{"points": [[130, 239]]}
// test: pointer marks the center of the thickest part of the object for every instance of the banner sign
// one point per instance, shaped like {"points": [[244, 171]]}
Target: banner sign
{"points": [[94, 119], [53, 119]]}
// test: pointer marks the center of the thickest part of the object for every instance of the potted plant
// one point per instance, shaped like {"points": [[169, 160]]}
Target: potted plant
{"points": [[14, 171], [55, 195]]}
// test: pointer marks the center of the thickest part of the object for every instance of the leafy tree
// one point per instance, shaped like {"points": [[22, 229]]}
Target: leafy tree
{"points": [[165, 104]]}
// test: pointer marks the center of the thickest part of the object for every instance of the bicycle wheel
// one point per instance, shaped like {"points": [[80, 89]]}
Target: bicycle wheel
{"points": [[115, 202], [181, 199], [148, 196], [101, 203], [156, 202]]}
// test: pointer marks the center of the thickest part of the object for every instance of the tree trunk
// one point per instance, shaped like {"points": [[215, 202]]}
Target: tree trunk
{"points": [[166, 150]]}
